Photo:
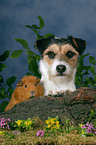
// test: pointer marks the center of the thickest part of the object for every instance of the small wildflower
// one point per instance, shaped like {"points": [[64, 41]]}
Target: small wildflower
{"points": [[1, 132], [19, 122], [40, 133], [52, 123], [88, 128], [4, 123]]}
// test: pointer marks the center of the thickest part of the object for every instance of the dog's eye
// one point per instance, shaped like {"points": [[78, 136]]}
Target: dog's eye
{"points": [[70, 54], [51, 54], [25, 86]]}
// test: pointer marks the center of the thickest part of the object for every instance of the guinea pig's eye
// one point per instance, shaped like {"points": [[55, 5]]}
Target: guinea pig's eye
{"points": [[51, 54], [35, 85], [70, 54], [25, 86]]}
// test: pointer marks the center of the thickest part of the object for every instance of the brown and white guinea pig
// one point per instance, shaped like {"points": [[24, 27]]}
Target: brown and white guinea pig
{"points": [[27, 88]]}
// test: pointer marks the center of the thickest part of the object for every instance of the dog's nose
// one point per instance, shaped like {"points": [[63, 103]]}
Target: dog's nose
{"points": [[60, 68]]}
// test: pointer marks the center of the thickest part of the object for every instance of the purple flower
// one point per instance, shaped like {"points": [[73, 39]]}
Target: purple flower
{"points": [[4, 123], [40, 133], [89, 128]]}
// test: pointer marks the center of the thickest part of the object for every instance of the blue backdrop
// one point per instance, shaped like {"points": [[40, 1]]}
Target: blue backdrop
{"points": [[61, 17]]}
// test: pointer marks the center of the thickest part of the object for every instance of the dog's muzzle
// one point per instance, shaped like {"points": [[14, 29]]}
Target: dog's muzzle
{"points": [[61, 69]]}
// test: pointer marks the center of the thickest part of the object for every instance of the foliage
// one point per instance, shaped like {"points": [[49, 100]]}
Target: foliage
{"points": [[87, 130], [5, 86], [85, 76], [22, 125], [52, 124], [52, 128]]}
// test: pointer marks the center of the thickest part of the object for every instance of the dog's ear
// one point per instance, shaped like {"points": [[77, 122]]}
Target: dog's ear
{"points": [[42, 43], [78, 44]]}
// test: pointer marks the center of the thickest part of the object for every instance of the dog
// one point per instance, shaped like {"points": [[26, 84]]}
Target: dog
{"points": [[59, 62]]}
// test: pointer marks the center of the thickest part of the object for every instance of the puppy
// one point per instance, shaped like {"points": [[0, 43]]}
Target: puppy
{"points": [[59, 62]]}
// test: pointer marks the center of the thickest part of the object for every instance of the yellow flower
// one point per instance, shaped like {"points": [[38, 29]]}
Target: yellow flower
{"points": [[19, 122], [47, 122], [82, 132], [29, 122], [81, 125], [52, 121], [1, 132], [26, 123]]}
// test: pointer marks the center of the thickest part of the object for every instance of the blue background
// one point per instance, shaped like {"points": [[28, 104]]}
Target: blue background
{"points": [[61, 17]]}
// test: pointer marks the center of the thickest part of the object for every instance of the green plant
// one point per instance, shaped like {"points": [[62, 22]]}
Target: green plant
{"points": [[52, 124], [86, 75], [5, 86], [32, 57], [22, 125]]}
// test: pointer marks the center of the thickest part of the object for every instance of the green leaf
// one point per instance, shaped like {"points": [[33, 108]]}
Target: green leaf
{"points": [[92, 60], [23, 42], [94, 78], [48, 35], [29, 74], [33, 67], [10, 81], [10, 91], [16, 53], [35, 26], [28, 26], [92, 69], [2, 67], [2, 92], [5, 55], [3, 105], [1, 79], [29, 52], [41, 22]]}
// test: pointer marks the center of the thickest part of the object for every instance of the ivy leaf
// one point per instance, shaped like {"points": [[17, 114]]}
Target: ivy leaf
{"points": [[1, 79], [48, 35], [92, 69], [35, 26], [16, 53], [2, 92], [33, 67], [92, 60], [10, 81], [3, 105], [23, 42], [41, 22], [94, 78], [2, 67], [5, 55]]}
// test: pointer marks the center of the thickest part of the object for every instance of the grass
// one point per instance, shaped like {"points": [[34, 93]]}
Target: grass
{"points": [[57, 138], [30, 138]]}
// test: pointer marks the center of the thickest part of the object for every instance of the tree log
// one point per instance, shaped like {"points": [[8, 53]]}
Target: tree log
{"points": [[73, 105]]}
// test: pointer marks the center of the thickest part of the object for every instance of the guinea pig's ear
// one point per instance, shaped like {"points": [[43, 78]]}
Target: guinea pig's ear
{"points": [[20, 84], [37, 80]]}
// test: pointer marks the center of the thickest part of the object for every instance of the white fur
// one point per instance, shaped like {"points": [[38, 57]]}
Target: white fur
{"points": [[53, 83]]}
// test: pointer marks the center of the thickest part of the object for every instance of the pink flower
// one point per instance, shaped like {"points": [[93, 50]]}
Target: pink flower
{"points": [[40, 133], [4, 123]]}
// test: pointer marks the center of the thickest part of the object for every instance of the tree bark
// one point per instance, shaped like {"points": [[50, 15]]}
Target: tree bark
{"points": [[73, 105]]}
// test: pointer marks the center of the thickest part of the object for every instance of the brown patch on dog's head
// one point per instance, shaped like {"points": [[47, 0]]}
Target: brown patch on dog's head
{"points": [[44, 43], [63, 52]]}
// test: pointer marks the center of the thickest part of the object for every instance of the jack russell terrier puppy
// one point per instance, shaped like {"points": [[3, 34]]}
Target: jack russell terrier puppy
{"points": [[59, 62]]}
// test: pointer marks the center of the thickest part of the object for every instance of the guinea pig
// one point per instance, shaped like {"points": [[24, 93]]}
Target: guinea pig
{"points": [[28, 87]]}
